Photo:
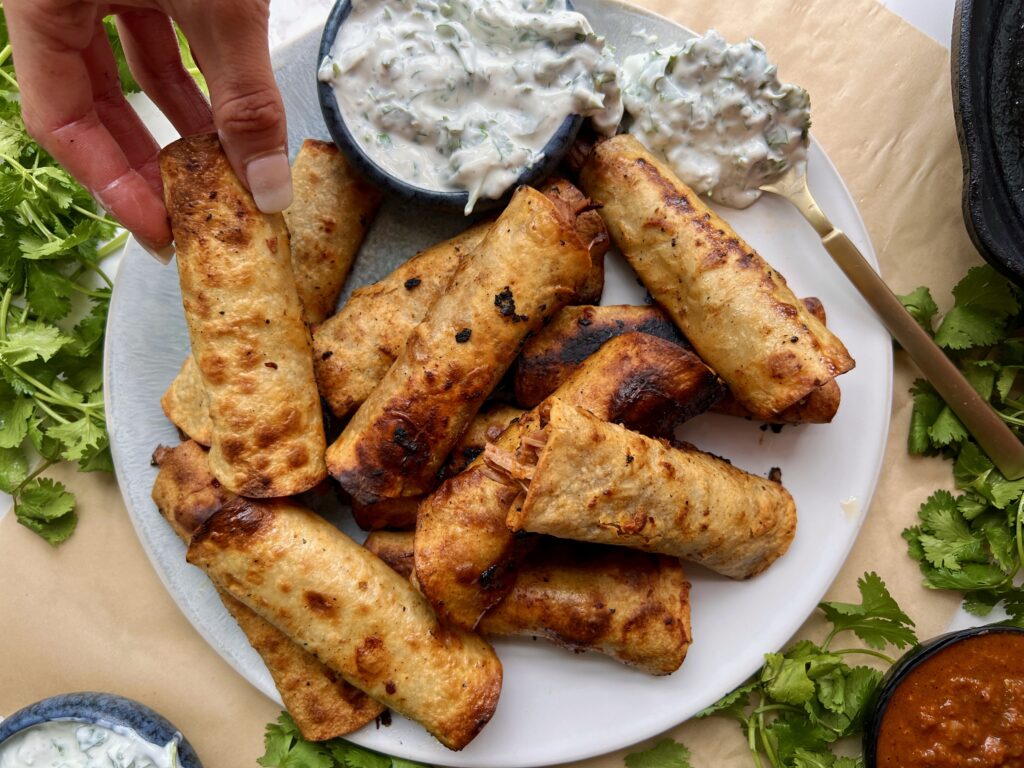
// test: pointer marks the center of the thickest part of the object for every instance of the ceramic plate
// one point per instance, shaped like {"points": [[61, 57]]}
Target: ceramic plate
{"points": [[557, 706]]}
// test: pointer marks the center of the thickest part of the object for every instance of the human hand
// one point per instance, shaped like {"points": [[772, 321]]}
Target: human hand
{"points": [[72, 103]]}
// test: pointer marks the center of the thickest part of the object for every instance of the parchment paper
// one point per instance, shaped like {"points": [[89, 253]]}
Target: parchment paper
{"points": [[94, 616]]}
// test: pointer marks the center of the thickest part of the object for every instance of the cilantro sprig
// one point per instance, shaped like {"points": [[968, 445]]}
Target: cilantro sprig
{"points": [[807, 698], [974, 542], [284, 747]]}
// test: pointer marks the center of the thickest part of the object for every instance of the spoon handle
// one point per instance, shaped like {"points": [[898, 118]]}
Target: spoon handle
{"points": [[992, 434]]}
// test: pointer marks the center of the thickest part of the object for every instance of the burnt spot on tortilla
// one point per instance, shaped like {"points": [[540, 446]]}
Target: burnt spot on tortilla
{"points": [[404, 441], [327, 355], [237, 524], [463, 336], [411, 283], [506, 304], [319, 603], [775, 474]]}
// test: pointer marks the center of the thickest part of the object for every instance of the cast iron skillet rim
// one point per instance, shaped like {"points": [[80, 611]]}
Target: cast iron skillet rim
{"points": [[989, 211], [905, 665], [551, 155], [103, 708]]}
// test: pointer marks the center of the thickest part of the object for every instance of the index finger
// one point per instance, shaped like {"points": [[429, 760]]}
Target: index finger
{"points": [[58, 109]]}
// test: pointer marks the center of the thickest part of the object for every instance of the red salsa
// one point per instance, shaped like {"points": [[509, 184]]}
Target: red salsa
{"points": [[961, 708]]}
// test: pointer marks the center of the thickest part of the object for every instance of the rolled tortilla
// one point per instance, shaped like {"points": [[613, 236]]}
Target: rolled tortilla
{"points": [[387, 514], [353, 349], [185, 404], [589, 480], [630, 605], [245, 324], [465, 555], [485, 427], [576, 332], [320, 702], [526, 268], [735, 309], [592, 233], [330, 214], [359, 617]]}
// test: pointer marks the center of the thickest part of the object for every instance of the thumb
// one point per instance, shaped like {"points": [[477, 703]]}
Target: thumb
{"points": [[232, 50]]}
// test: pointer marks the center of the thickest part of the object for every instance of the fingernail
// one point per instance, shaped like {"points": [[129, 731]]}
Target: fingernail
{"points": [[163, 254], [270, 180]]}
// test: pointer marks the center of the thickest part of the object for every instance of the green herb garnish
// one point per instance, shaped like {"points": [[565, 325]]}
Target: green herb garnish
{"points": [[285, 748], [973, 542]]}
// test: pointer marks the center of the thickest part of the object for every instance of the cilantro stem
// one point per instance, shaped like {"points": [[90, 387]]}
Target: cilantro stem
{"points": [[32, 476], [1019, 529], [765, 744], [5, 307], [867, 652], [103, 275], [5, 54], [41, 402], [9, 79], [94, 216], [752, 742], [52, 396], [114, 245]]}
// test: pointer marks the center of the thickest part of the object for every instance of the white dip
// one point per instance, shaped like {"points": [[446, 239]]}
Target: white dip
{"points": [[717, 114], [74, 744], [464, 94]]}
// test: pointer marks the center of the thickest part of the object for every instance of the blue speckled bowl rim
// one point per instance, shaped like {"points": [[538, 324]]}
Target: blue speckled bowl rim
{"points": [[552, 154], [105, 709], [905, 665]]}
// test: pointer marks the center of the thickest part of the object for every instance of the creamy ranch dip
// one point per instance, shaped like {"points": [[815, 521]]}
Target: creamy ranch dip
{"points": [[74, 744], [464, 94], [717, 114]]}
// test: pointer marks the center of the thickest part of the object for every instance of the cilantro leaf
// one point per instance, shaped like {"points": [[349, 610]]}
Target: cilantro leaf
{"points": [[946, 537], [665, 754], [921, 306], [15, 412], [31, 340], [985, 300], [927, 408], [877, 620], [46, 507], [13, 468], [128, 82], [284, 747], [77, 437]]}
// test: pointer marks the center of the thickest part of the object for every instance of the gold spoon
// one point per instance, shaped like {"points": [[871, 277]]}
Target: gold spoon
{"points": [[992, 434]]}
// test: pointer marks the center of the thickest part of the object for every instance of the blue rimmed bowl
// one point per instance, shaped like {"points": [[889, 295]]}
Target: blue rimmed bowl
{"points": [[907, 665], [104, 709], [552, 154]]}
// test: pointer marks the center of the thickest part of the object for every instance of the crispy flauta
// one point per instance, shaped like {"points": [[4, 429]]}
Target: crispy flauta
{"points": [[185, 404], [576, 332], [330, 214], [250, 344], [346, 606], [588, 480], [630, 605], [734, 308], [528, 265], [353, 349], [465, 554], [322, 704]]}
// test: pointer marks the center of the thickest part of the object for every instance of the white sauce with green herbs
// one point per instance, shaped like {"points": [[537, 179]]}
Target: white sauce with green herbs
{"points": [[717, 114], [74, 744], [464, 94]]}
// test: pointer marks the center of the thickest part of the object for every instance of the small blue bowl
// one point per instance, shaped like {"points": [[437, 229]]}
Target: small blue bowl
{"points": [[553, 151], [104, 709], [903, 667]]}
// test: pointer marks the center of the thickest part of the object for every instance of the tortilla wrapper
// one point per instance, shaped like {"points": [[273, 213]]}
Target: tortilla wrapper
{"points": [[736, 310], [395, 548], [185, 404], [250, 344], [346, 606], [575, 333], [322, 704], [630, 605], [484, 428], [387, 514], [465, 555], [353, 349], [592, 233], [599, 482], [527, 267], [331, 211]]}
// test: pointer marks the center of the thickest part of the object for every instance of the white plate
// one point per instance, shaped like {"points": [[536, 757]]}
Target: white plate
{"points": [[556, 706]]}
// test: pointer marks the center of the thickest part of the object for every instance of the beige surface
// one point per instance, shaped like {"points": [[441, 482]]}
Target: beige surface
{"points": [[93, 615]]}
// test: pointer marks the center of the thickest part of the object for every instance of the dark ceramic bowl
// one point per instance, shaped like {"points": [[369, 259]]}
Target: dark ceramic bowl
{"points": [[988, 102], [105, 709], [903, 667], [553, 151]]}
